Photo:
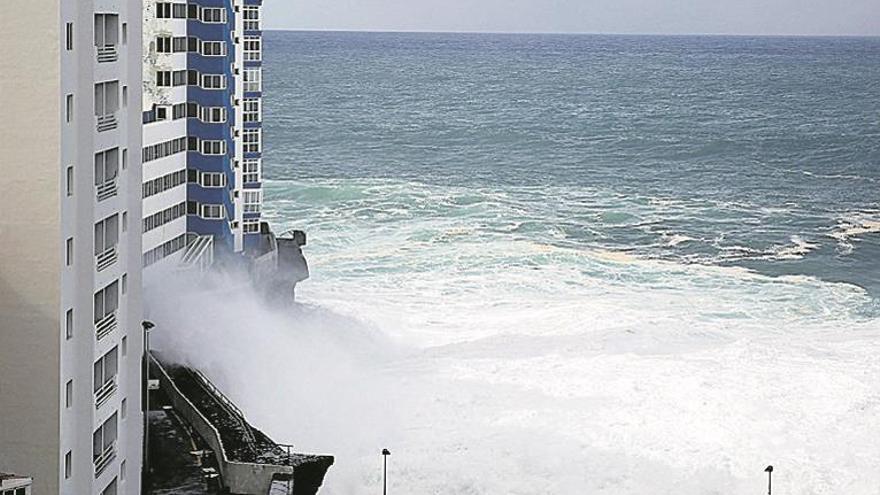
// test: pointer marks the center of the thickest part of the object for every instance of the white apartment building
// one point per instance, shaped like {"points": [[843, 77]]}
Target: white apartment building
{"points": [[164, 106], [71, 343]]}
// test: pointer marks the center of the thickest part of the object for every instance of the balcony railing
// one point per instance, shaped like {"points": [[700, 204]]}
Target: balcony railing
{"points": [[106, 259], [105, 392], [106, 122], [105, 325], [105, 458], [107, 190], [107, 53]]}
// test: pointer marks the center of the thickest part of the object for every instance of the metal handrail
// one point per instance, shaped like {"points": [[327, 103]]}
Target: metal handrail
{"points": [[105, 392], [105, 325], [107, 190], [107, 53], [106, 259], [231, 408], [105, 458], [106, 122]]}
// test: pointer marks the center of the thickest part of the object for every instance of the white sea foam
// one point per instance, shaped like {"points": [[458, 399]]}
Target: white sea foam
{"points": [[490, 363]]}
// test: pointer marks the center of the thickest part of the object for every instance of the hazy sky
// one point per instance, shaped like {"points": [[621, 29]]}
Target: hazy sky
{"points": [[857, 17]]}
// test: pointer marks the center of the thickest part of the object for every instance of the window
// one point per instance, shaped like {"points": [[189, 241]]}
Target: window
{"points": [[163, 44], [107, 234], [124, 33], [212, 115], [251, 170], [68, 465], [161, 150], [68, 324], [213, 147], [252, 201], [106, 98], [213, 81], [106, 301], [68, 394], [178, 10], [163, 10], [69, 36], [252, 111], [214, 15], [251, 18], [252, 80], [106, 30], [167, 215], [123, 409], [124, 283], [178, 111], [124, 221], [251, 141], [165, 250], [252, 48], [68, 115], [164, 183], [213, 212], [251, 227], [179, 78], [213, 48], [124, 346], [124, 158], [104, 446], [122, 464], [106, 170], [68, 185], [111, 488], [163, 78], [68, 252], [104, 373], [178, 44], [213, 179]]}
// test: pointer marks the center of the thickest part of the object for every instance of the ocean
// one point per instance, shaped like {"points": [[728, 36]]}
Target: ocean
{"points": [[583, 264]]}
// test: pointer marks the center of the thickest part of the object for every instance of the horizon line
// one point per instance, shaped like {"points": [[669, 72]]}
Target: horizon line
{"points": [[572, 33]]}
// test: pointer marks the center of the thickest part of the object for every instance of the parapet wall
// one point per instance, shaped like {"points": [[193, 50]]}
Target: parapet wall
{"points": [[240, 477]]}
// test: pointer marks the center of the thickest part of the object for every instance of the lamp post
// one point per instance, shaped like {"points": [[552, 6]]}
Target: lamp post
{"points": [[385, 455], [148, 325], [769, 471]]}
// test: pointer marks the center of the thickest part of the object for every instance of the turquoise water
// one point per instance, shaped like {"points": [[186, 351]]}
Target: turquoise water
{"points": [[586, 240]]}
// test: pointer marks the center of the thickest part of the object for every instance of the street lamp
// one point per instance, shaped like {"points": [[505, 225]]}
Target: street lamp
{"points": [[769, 471], [147, 325], [385, 455]]}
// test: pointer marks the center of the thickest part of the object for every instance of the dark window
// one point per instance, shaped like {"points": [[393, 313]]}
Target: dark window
{"points": [[69, 36], [163, 10]]}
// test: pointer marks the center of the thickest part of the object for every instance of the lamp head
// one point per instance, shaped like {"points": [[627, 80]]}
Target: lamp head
{"points": [[385, 452], [148, 325], [769, 469]]}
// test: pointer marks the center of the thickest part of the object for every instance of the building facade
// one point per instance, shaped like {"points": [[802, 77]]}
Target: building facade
{"points": [[202, 129], [71, 348]]}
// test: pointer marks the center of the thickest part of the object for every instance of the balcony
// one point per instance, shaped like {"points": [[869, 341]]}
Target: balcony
{"points": [[106, 122], [107, 190], [105, 458], [106, 259], [105, 392], [105, 325], [107, 54]]}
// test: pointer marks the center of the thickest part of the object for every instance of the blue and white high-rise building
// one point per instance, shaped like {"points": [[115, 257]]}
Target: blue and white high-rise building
{"points": [[202, 129]]}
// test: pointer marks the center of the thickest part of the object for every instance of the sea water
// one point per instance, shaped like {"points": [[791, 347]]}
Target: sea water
{"points": [[604, 264]]}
